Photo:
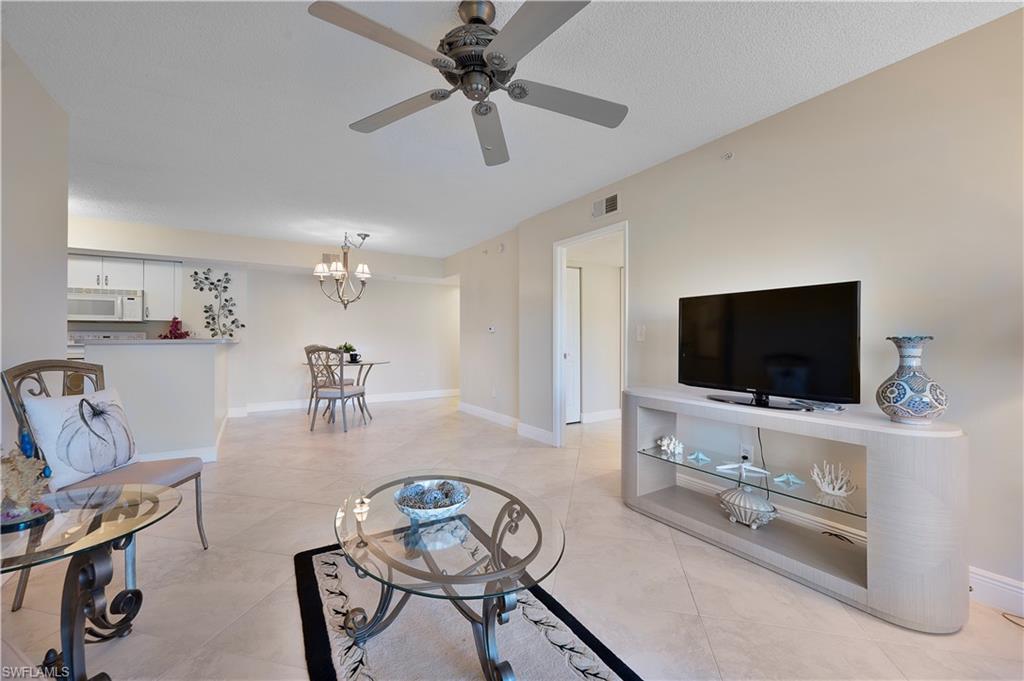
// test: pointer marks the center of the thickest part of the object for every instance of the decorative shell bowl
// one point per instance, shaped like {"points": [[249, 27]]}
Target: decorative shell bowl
{"points": [[747, 508], [426, 500]]}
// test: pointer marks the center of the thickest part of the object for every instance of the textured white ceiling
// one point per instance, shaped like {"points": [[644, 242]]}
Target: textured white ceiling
{"points": [[233, 116]]}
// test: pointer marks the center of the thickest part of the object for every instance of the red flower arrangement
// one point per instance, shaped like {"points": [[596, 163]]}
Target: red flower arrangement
{"points": [[174, 331]]}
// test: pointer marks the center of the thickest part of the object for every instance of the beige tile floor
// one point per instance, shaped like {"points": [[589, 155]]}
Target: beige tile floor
{"points": [[671, 606]]}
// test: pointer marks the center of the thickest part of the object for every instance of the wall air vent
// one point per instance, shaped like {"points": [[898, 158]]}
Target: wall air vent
{"points": [[608, 204]]}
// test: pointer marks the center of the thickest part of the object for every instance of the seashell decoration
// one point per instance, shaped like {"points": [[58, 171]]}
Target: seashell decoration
{"points": [[747, 508], [833, 479], [671, 446], [699, 458]]}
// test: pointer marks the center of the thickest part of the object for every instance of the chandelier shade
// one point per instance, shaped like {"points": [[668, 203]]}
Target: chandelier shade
{"points": [[345, 291]]}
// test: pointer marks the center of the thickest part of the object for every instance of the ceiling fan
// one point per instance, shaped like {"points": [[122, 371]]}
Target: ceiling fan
{"points": [[479, 59]]}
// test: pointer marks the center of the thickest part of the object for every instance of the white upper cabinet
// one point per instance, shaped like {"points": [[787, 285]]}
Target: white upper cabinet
{"points": [[85, 271], [122, 273], [162, 286]]}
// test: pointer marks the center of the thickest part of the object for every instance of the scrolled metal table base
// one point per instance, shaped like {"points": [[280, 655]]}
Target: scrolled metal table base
{"points": [[495, 610], [84, 600]]}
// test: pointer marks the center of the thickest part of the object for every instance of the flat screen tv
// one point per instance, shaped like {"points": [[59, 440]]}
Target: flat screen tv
{"points": [[801, 342]]}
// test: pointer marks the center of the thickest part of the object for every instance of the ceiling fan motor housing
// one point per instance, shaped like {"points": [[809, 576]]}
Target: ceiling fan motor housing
{"points": [[465, 45]]}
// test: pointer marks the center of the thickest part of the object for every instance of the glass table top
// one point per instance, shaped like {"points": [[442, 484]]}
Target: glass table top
{"points": [[793, 485], [85, 518], [502, 540]]}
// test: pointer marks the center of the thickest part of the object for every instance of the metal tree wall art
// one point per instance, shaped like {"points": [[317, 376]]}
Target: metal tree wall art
{"points": [[219, 316]]}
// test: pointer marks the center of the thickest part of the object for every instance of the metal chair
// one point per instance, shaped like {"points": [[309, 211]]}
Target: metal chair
{"points": [[328, 385], [319, 377], [29, 377]]}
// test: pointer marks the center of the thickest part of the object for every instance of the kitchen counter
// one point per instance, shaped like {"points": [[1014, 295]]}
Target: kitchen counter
{"points": [[158, 341], [174, 391]]}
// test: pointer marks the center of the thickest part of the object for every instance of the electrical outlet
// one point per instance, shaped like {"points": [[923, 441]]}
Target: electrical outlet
{"points": [[641, 333], [494, 391], [747, 451]]}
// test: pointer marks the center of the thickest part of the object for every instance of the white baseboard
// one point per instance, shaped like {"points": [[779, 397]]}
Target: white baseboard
{"points": [[535, 433], [595, 416], [207, 454], [1002, 593], [407, 397], [487, 414], [287, 405], [526, 430]]}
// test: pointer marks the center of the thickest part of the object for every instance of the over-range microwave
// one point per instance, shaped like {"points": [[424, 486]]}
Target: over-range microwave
{"points": [[104, 306]]}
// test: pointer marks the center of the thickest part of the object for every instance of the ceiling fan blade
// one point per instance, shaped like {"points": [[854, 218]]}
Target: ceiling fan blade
{"points": [[342, 16], [528, 27], [399, 111], [567, 102], [490, 134]]}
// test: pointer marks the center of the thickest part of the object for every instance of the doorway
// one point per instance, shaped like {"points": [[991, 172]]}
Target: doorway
{"points": [[589, 329]]}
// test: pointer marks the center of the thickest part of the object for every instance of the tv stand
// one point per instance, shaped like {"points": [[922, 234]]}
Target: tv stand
{"points": [[758, 400], [906, 558]]}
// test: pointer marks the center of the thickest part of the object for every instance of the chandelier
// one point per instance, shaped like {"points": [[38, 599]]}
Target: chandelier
{"points": [[335, 268]]}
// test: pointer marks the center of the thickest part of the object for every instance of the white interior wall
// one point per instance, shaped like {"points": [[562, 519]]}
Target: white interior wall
{"points": [[909, 179], [488, 336], [414, 326], [35, 200]]}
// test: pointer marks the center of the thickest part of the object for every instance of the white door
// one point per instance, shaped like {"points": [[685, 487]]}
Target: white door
{"points": [[162, 290], [122, 273], [85, 271], [571, 366]]}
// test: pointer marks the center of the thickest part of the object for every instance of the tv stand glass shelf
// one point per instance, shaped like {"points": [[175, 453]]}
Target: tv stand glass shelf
{"points": [[706, 461], [907, 565]]}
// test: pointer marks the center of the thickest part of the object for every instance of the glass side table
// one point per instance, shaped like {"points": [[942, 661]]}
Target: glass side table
{"points": [[87, 524], [501, 542]]}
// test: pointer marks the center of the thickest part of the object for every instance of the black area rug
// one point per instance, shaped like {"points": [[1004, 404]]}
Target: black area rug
{"points": [[430, 641]]}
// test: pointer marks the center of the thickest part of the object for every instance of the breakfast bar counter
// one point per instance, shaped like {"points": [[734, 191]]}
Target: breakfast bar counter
{"points": [[174, 391]]}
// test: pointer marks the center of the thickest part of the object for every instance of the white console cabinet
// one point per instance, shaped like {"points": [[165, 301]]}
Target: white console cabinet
{"points": [[908, 563]]}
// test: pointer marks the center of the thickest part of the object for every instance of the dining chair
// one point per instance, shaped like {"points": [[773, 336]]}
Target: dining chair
{"points": [[329, 385], [30, 378], [322, 377]]}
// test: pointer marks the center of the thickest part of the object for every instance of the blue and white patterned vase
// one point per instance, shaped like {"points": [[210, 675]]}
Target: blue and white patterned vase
{"points": [[910, 395]]}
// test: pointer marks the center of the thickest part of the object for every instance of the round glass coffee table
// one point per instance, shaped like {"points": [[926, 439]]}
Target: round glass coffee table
{"points": [[501, 542], [86, 525]]}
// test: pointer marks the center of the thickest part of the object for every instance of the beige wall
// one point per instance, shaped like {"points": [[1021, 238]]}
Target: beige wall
{"points": [[34, 234], [414, 326], [600, 336], [488, 275], [909, 179]]}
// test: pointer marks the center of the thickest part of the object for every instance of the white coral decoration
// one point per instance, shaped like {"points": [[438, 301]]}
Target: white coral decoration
{"points": [[670, 445], [834, 479]]}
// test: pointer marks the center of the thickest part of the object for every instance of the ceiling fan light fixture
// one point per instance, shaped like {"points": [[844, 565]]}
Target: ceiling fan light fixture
{"points": [[478, 59]]}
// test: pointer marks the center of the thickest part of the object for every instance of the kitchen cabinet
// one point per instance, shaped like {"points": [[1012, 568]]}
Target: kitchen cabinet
{"points": [[85, 271], [161, 282], [93, 271], [122, 273]]}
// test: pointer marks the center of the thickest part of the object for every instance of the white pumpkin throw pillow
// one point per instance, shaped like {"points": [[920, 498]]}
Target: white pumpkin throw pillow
{"points": [[80, 435]]}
